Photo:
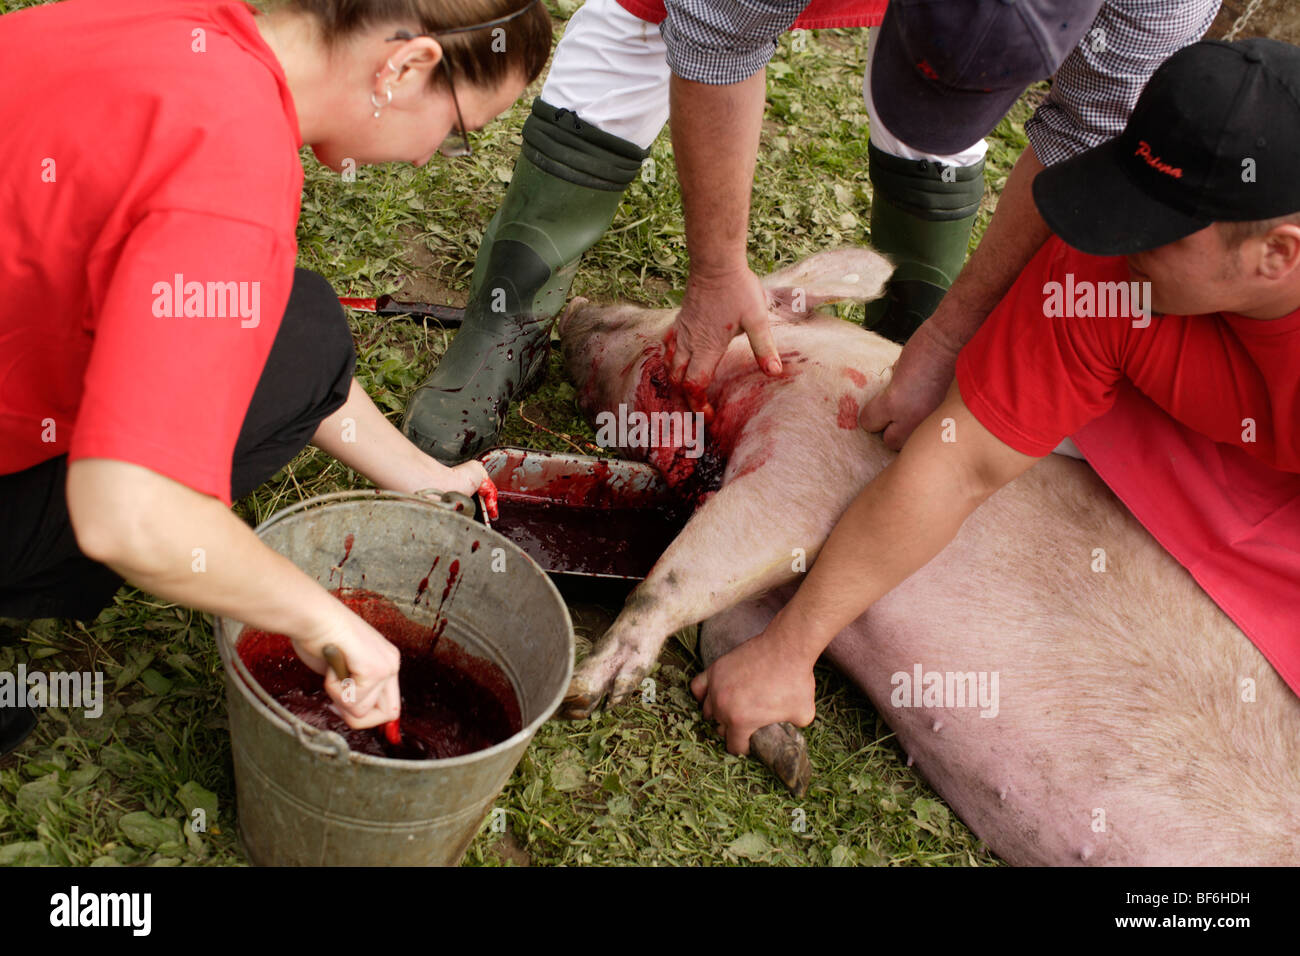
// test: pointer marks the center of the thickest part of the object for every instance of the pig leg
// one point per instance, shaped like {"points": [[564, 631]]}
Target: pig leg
{"points": [[689, 583], [780, 746]]}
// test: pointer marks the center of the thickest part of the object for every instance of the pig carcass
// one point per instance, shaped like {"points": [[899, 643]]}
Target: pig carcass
{"points": [[1114, 716]]}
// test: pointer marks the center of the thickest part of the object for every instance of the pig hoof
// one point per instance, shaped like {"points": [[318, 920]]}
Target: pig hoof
{"points": [[625, 686], [575, 706], [785, 752], [589, 684], [581, 700]]}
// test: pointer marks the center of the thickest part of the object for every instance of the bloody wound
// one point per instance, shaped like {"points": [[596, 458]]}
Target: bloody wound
{"points": [[453, 702]]}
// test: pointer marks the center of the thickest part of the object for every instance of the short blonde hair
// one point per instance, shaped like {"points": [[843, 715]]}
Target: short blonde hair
{"points": [[1235, 233]]}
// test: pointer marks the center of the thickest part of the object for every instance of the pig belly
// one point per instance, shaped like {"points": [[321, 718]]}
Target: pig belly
{"points": [[1125, 730]]}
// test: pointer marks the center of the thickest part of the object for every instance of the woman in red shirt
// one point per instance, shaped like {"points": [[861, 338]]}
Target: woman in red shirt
{"points": [[159, 355]]}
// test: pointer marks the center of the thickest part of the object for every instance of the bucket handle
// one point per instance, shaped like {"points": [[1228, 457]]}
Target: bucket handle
{"points": [[450, 500], [327, 743]]}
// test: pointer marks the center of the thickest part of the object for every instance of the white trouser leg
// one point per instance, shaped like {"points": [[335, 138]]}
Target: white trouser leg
{"points": [[886, 142], [611, 69], [1069, 449]]}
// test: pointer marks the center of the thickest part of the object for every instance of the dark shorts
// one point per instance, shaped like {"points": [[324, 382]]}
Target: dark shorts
{"points": [[306, 379]]}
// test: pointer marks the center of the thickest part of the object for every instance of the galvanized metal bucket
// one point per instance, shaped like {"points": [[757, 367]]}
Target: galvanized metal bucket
{"points": [[305, 798]]}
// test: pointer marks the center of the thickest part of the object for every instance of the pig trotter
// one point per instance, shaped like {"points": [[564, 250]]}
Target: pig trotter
{"points": [[780, 746], [785, 752], [579, 703], [614, 668], [585, 693]]}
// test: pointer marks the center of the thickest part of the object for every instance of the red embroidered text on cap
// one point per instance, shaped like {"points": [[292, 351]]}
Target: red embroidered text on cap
{"points": [[1155, 162]]}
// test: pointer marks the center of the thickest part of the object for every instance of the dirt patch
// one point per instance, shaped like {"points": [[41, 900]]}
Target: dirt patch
{"points": [[1275, 19], [840, 42], [508, 849], [657, 286], [424, 283]]}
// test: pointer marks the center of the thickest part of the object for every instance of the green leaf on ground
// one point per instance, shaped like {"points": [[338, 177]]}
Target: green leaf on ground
{"points": [[568, 773], [156, 683], [144, 829], [26, 853], [750, 846], [32, 796], [192, 796]]}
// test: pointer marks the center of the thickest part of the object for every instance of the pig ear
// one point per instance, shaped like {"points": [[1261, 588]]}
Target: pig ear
{"points": [[853, 274]]}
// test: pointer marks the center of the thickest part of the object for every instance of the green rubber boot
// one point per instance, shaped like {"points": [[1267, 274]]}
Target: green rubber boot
{"points": [[565, 189], [921, 217]]}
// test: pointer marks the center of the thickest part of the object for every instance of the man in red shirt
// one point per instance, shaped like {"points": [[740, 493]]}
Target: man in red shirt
{"points": [[1166, 341]]}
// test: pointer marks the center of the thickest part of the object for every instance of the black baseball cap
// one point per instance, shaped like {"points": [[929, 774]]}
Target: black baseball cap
{"points": [[1214, 137], [945, 72]]}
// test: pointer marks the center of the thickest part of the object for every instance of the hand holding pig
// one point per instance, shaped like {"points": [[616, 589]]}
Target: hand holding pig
{"points": [[713, 309], [919, 381], [761, 682]]}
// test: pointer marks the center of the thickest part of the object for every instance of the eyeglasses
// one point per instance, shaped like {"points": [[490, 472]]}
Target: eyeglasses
{"points": [[457, 141]]}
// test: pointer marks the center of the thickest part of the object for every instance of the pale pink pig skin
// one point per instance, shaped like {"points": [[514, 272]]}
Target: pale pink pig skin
{"points": [[1135, 724]]}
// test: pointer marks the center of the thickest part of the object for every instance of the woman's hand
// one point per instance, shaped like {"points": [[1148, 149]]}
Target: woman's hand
{"points": [[370, 695], [361, 437], [189, 548], [466, 478]]}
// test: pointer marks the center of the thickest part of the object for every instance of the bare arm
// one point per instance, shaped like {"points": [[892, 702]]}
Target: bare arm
{"points": [[902, 519], [715, 139], [715, 133], [189, 548], [361, 437]]}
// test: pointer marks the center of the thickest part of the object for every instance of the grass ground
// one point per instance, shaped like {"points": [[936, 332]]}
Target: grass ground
{"points": [[641, 785]]}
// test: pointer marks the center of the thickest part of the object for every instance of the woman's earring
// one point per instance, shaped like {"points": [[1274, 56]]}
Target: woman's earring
{"points": [[378, 104]]}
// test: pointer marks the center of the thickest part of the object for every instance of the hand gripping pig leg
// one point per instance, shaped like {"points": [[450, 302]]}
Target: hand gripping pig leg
{"points": [[723, 556], [780, 746]]}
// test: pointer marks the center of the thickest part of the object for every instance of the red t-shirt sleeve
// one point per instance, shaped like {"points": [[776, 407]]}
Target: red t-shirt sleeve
{"points": [[1032, 378], [169, 389]]}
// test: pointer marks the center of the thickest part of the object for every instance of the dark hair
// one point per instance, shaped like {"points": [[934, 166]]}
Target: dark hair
{"points": [[1235, 233], [482, 57]]}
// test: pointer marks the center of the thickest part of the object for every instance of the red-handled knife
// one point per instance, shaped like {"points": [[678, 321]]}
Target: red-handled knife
{"points": [[387, 305]]}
